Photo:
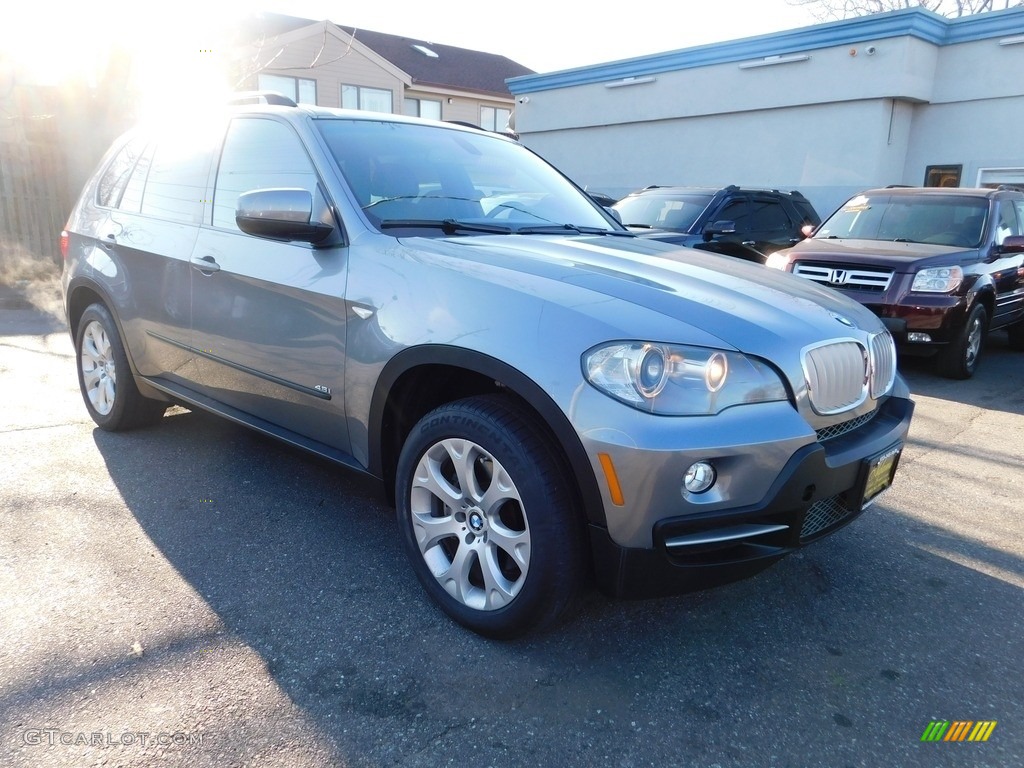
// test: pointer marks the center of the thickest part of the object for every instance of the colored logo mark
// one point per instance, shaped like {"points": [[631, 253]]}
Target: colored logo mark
{"points": [[958, 730]]}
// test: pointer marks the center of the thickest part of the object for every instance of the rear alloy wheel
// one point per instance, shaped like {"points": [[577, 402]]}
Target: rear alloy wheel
{"points": [[105, 378], [960, 358], [487, 519]]}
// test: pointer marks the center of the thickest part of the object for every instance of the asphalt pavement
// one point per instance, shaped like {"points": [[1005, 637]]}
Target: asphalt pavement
{"points": [[194, 594]]}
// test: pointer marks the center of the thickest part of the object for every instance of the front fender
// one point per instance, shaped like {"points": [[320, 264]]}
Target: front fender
{"points": [[508, 378]]}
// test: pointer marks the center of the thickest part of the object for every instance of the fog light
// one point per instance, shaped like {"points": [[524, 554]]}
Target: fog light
{"points": [[919, 337], [699, 477]]}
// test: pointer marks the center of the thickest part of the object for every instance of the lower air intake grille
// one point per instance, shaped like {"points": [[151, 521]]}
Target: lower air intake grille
{"points": [[836, 430], [822, 515]]}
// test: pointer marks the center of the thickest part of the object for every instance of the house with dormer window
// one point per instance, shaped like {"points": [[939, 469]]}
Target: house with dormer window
{"points": [[320, 62]]}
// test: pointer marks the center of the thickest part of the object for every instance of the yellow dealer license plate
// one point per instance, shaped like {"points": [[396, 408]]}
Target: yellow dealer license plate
{"points": [[881, 469]]}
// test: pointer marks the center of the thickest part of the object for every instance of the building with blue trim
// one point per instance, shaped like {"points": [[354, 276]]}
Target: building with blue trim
{"points": [[906, 97]]}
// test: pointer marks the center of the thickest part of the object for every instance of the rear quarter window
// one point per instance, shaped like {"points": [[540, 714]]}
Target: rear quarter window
{"points": [[114, 179]]}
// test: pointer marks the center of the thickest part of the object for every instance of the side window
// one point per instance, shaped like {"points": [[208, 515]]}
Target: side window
{"points": [[769, 216], [1007, 222], [115, 177], [1019, 205], [176, 184], [738, 212], [258, 154]]}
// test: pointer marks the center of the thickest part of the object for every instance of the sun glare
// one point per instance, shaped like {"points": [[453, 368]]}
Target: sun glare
{"points": [[160, 53]]}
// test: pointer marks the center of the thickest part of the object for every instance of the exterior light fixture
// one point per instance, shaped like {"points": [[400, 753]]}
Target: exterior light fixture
{"points": [[769, 61]]}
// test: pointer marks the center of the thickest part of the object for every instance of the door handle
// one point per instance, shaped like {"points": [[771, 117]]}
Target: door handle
{"points": [[205, 264], [750, 243]]}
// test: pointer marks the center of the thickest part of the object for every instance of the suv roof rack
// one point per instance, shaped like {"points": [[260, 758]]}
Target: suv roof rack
{"points": [[261, 97]]}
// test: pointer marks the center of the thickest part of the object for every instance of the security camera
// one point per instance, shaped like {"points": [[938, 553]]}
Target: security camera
{"points": [[870, 50], [524, 99]]}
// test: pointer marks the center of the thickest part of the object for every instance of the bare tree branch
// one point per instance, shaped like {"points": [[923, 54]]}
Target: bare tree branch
{"points": [[832, 10], [254, 65]]}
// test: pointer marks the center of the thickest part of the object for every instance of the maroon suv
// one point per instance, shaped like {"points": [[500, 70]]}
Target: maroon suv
{"points": [[939, 266]]}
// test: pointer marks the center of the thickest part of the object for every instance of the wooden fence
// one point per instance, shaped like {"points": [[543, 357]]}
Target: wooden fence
{"points": [[35, 198]]}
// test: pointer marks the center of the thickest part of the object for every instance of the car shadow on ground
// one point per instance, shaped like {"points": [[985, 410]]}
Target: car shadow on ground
{"points": [[889, 623]]}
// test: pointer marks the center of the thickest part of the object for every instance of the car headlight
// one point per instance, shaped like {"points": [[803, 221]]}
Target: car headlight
{"points": [[777, 260], [938, 280], [675, 380]]}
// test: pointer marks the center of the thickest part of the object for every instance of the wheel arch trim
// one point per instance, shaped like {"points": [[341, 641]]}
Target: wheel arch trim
{"points": [[79, 283], [515, 381]]}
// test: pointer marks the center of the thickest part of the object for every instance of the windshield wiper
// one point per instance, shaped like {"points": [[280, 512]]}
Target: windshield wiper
{"points": [[561, 229], [448, 226]]}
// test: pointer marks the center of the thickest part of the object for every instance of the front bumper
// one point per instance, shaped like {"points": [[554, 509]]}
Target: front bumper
{"points": [[810, 498]]}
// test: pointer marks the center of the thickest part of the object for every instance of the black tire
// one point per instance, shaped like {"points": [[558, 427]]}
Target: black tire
{"points": [[959, 359], [479, 521], [105, 377], [1015, 336]]}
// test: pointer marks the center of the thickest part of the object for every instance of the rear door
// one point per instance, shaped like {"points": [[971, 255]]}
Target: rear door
{"points": [[268, 316], [149, 238]]}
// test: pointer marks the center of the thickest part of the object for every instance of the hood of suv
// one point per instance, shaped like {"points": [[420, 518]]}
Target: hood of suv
{"points": [[898, 256], [698, 297]]}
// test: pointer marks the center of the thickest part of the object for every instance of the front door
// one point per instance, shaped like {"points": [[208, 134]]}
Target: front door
{"points": [[268, 317], [1008, 268]]}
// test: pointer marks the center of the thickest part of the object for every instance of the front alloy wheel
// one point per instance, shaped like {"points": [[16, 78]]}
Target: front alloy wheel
{"points": [[960, 357], [487, 517], [470, 528]]}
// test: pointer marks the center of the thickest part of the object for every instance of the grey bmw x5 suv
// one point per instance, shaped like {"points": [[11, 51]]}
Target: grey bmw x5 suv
{"points": [[548, 400]]}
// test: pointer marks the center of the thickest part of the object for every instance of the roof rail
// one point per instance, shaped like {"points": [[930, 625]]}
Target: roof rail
{"points": [[261, 97], [467, 124]]}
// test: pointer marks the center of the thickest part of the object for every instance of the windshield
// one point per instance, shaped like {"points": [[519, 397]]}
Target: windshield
{"points": [[948, 220], [408, 175], [675, 212]]}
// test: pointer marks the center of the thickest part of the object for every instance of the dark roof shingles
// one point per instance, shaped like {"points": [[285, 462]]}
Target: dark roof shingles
{"points": [[458, 67]]}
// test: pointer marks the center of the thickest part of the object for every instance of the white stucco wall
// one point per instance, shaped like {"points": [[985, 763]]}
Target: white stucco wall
{"points": [[866, 107]]}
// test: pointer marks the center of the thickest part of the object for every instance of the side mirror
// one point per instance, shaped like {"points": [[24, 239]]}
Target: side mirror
{"points": [[1012, 244], [613, 213], [807, 230], [280, 214], [716, 228]]}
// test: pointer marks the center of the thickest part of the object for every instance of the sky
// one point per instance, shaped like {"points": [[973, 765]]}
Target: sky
{"points": [[550, 35], [53, 38]]}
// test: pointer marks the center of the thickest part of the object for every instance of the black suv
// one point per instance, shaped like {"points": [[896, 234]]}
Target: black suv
{"points": [[746, 223], [939, 266]]}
